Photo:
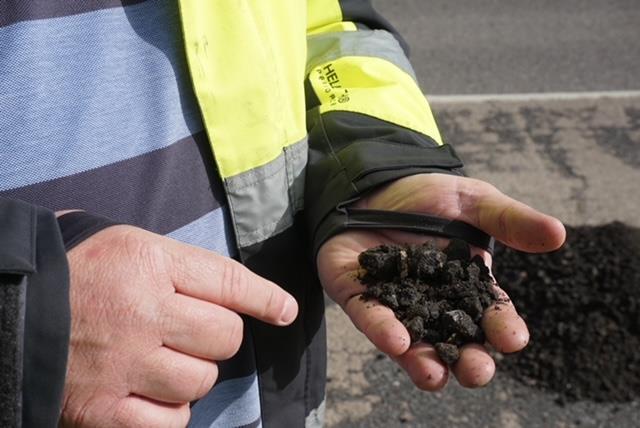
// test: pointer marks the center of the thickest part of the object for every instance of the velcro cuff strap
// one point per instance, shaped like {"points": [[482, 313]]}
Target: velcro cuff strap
{"points": [[416, 223]]}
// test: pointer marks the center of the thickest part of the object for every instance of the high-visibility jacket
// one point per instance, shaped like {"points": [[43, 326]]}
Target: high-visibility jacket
{"points": [[278, 92], [306, 106], [333, 95], [264, 76]]}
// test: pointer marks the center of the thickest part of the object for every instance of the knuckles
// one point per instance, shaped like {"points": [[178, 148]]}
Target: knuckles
{"points": [[234, 338], [234, 284], [229, 340]]}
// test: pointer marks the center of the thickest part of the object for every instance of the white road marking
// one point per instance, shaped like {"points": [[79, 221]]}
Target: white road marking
{"points": [[536, 96]]}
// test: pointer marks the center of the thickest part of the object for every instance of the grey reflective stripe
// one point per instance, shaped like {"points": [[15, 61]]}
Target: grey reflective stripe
{"points": [[315, 419], [322, 48], [264, 200], [296, 161]]}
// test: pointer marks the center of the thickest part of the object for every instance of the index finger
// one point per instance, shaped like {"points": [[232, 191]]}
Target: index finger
{"points": [[221, 280]]}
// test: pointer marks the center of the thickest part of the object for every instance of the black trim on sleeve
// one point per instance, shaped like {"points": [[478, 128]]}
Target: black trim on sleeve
{"points": [[47, 327], [34, 333], [79, 225], [351, 154]]}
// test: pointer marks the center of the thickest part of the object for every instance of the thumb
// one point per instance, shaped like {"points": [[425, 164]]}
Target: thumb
{"points": [[516, 224], [475, 202]]}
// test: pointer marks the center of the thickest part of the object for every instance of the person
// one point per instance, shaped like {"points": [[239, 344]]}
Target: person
{"points": [[175, 191]]}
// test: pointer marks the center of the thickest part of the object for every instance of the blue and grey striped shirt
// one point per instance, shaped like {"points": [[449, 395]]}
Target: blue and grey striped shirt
{"points": [[97, 113]]}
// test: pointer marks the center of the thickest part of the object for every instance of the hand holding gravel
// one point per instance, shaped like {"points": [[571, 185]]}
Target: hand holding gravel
{"points": [[451, 197]]}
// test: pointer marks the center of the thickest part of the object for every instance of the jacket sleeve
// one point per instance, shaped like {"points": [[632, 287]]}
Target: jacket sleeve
{"points": [[368, 121], [34, 315]]}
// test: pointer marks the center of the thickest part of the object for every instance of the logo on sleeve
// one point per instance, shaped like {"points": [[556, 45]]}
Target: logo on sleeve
{"points": [[331, 86]]}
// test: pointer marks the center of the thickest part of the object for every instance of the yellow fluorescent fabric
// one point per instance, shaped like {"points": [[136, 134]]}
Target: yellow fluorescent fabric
{"points": [[333, 27], [247, 62], [321, 13], [375, 87]]}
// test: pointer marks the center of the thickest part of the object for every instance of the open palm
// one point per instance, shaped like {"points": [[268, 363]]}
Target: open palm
{"points": [[457, 198]]}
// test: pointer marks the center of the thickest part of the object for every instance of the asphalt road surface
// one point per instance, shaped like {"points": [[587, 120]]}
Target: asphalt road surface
{"points": [[505, 46], [576, 157]]}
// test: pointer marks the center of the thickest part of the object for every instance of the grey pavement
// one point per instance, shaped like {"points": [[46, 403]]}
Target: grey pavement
{"points": [[577, 159]]}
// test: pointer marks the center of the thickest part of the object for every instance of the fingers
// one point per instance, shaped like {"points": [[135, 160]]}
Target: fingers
{"points": [[423, 366], [339, 275], [475, 367], [169, 376], [223, 281], [504, 328], [379, 324], [383, 329], [140, 412], [338, 270], [200, 328]]}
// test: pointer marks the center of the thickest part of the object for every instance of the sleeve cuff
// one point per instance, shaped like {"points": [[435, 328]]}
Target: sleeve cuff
{"points": [[47, 326], [77, 226], [351, 154]]}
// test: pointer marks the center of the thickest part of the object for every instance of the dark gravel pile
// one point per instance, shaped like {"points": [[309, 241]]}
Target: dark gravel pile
{"points": [[582, 305], [439, 296]]}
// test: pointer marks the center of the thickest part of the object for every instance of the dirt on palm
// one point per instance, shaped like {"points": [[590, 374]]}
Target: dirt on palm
{"points": [[582, 306]]}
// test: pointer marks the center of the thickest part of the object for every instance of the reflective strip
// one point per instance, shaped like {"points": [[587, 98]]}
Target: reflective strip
{"points": [[315, 419], [296, 160], [247, 61], [264, 200], [328, 47], [375, 87]]}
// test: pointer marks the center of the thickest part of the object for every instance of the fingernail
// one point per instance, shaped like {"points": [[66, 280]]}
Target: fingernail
{"points": [[290, 311]]}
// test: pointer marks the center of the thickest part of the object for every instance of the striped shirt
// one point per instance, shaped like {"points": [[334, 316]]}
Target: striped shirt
{"points": [[97, 113]]}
